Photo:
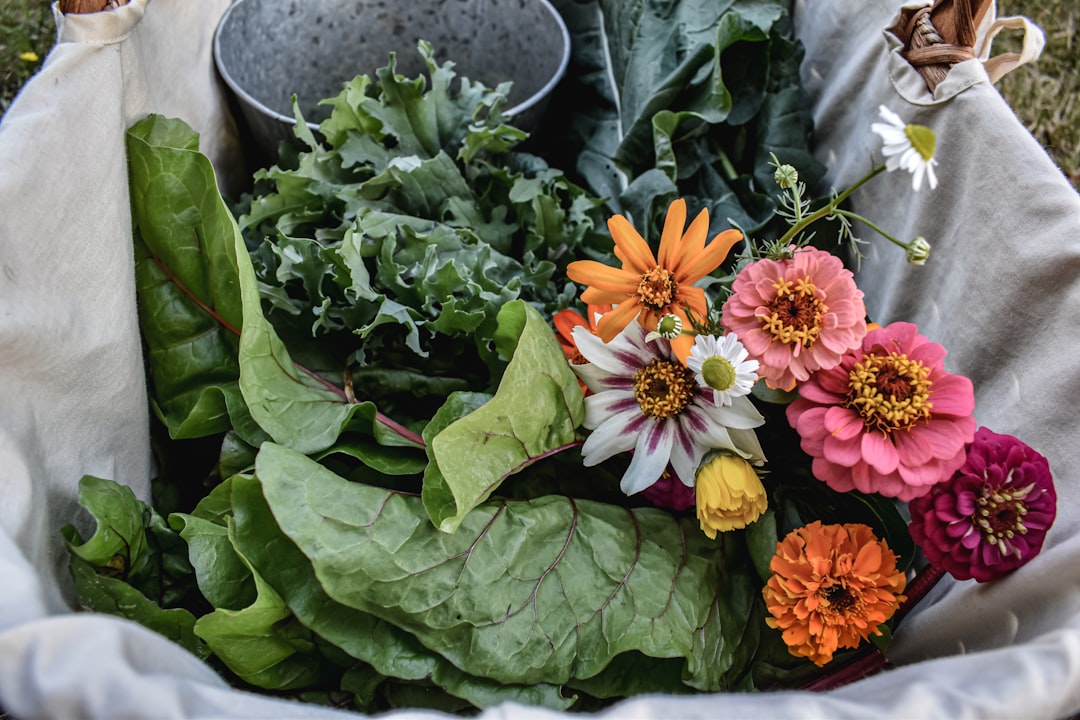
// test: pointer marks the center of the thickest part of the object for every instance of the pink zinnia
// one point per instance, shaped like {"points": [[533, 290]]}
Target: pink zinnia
{"points": [[992, 516], [796, 316], [888, 419]]}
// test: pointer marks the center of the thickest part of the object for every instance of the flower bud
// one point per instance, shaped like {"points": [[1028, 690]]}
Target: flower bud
{"points": [[918, 250], [786, 176], [730, 495], [668, 327]]}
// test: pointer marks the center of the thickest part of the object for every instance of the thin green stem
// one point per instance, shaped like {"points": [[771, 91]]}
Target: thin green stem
{"points": [[872, 226], [830, 209]]}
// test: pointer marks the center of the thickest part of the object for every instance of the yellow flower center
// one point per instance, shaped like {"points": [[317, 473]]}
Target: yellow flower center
{"points": [[794, 313], [922, 139], [657, 289], [718, 372], [891, 392], [663, 388], [1000, 515]]}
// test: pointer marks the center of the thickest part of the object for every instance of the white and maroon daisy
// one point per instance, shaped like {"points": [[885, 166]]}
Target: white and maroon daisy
{"points": [[644, 399]]}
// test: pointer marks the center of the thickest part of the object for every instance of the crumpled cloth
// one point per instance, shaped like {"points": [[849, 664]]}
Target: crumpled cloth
{"points": [[1001, 291]]}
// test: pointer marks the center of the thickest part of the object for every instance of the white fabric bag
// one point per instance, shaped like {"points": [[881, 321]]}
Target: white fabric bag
{"points": [[1001, 292]]}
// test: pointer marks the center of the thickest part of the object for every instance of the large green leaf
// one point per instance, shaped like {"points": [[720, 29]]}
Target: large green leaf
{"points": [[535, 411], [189, 299], [114, 596], [389, 650], [691, 88], [531, 591], [263, 643]]}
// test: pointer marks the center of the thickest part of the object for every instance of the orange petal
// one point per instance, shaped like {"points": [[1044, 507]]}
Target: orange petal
{"points": [[693, 240], [696, 267], [630, 247], [595, 309], [694, 298], [566, 320], [682, 346], [602, 277], [671, 239], [615, 321], [592, 296]]}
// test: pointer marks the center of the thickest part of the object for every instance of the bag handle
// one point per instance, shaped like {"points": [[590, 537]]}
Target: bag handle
{"points": [[1030, 49], [938, 36]]}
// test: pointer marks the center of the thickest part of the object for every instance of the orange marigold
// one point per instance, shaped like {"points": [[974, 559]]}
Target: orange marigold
{"points": [[832, 586], [648, 287]]}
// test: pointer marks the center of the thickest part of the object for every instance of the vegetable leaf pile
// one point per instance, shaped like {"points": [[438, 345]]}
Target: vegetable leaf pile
{"points": [[397, 514]]}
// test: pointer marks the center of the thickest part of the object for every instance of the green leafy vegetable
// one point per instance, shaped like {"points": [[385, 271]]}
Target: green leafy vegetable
{"points": [[535, 411], [561, 586], [401, 238], [682, 99]]}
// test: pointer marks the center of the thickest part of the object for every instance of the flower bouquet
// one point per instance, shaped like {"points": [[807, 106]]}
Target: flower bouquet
{"points": [[434, 439]]}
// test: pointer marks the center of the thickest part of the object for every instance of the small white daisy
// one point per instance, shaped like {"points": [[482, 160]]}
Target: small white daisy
{"points": [[643, 399], [721, 364], [907, 147]]}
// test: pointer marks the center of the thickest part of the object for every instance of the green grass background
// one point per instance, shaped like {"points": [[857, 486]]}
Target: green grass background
{"points": [[1045, 95]]}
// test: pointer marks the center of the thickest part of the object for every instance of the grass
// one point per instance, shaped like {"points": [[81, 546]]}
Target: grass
{"points": [[27, 32], [1045, 95]]}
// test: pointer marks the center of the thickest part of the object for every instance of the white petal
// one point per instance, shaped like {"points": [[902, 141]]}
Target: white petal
{"points": [[650, 457], [687, 449], [746, 444], [891, 117], [609, 403], [917, 173], [618, 357], [740, 414], [611, 437]]}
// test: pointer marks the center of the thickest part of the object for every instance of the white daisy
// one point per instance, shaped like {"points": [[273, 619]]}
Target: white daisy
{"points": [[721, 364], [907, 147], [643, 399]]}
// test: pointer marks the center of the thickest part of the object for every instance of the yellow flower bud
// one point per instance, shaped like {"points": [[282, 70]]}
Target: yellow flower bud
{"points": [[730, 495]]}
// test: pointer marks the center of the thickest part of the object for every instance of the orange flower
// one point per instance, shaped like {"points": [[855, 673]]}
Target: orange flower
{"points": [[832, 586], [566, 320], [650, 287]]}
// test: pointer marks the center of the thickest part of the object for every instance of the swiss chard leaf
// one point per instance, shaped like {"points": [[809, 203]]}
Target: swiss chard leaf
{"points": [[538, 591], [185, 265], [390, 651], [697, 90], [535, 411], [114, 596], [263, 643]]}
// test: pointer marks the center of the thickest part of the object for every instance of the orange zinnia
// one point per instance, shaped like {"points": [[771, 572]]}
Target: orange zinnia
{"points": [[648, 287], [566, 320], [832, 586]]}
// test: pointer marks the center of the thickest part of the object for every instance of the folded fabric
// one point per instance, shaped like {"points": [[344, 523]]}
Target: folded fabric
{"points": [[1000, 291]]}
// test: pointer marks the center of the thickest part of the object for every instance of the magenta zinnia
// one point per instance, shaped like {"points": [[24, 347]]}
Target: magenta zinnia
{"points": [[888, 419], [796, 315], [992, 516]]}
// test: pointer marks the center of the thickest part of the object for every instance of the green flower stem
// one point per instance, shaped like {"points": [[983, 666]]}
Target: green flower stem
{"points": [[874, 227], [798, 203], [832, 208]]}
